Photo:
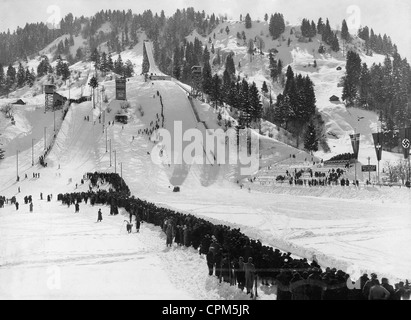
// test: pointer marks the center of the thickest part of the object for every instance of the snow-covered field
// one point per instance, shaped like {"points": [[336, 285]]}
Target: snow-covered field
{"points": [[365, 230]]}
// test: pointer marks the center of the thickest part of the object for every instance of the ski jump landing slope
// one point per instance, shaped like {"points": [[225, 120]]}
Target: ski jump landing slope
{"points": [[153, 67]]}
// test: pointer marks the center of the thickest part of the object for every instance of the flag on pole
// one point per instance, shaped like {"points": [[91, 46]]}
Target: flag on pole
{"points": [[406, 141], [378, 141], [355, 141]]}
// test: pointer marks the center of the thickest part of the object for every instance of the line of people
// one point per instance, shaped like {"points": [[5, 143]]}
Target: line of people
{"points": [[231, 250]]}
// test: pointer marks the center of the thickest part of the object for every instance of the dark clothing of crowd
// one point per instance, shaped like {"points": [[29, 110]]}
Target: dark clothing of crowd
{"points": [[226, 248]]}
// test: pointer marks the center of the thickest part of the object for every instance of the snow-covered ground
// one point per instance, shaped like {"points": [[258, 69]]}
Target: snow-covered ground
{"points": [[363, 230]]}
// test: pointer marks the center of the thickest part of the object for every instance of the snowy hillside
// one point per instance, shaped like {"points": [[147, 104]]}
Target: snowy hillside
{"points": [[340, 122]]}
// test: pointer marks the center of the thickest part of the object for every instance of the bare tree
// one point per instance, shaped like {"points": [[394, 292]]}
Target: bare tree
{"points": [[250, 49], [403, 170], [7, 110], [260, 44], [398, 171], [391, 171]]}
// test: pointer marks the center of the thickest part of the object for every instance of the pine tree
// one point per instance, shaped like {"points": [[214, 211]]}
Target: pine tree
{"points": [[244, 105], [273, 67], [311, 139], [264, 88], [320, 26], [377, 95], [277, 25], [388, 83], [226, 87], [313, 30], [95, 57], [345, 34], [248, 23], [250, 50], [227, 30], [365, 86], [30, 77], [110, 63], [65, 72], [93, 84], [280, 66], [79, 54], [352, 78], [335, 45], [207, 76], [218, 58], [290, 80], [308, 95], [2, 78], [21, 76], [59, 66], [283, 111], [177, 64], [215, 90], [71, 41], [118, 66], [349, 93], [327, 34], [11, 73], [128, 69], [230, 66], [43, 67], [104, 64], [255, 103]]}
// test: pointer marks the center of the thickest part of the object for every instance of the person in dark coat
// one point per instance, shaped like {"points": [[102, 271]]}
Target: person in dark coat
{"points": [[77, 207], [218, 257], [31, 206], [385, 283], [100, 216], [138, 223], [17, 206], [368, 285], [169, 233], [186, 235], [210, 262], [240, 273], [378, 292], [129, 226], [250, 274]]}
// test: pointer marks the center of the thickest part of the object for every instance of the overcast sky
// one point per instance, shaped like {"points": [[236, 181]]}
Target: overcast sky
{"points": [[390, 17]]}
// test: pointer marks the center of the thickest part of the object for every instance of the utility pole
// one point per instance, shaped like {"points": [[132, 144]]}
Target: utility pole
{"points": [[18, 165], [115, 161], [378, 175], [369, 171], [106, 138], [54, 115], [45, 138], [32, 152], [121, 168], [110, 152]]}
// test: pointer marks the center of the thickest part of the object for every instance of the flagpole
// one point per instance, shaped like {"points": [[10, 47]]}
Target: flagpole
{"points": [[379, 173]]}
